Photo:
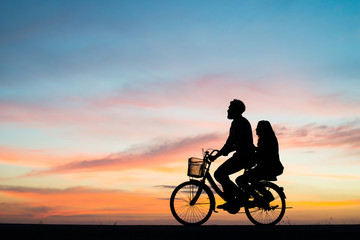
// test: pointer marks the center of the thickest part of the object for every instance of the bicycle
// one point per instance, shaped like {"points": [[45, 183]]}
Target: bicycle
{"points": [[193, 201]]}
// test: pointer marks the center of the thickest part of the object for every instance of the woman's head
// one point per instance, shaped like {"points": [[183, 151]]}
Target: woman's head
{"points": [[264, 128]]}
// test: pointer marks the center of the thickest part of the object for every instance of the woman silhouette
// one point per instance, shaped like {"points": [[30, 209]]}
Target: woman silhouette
{"points": [[268, 164]]}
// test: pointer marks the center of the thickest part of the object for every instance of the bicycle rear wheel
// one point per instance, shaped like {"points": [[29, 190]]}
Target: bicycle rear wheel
{"points": [[184, 210], [269, 213]]}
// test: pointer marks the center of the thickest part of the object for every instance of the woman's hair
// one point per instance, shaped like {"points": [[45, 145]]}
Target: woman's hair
{"points": [[264, 130], [264, 127]]}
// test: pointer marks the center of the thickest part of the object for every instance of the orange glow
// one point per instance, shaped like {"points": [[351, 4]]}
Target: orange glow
{"points": [[323, 204], [90, 203]]}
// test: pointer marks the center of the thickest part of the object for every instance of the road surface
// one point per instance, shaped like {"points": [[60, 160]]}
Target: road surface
{"points": [[123, 232]]}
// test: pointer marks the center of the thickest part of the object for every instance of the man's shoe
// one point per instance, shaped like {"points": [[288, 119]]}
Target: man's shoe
{"points": [[223, 206], [234, 206]]}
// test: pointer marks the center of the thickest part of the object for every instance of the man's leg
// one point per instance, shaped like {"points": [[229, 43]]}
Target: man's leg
{"points": [[222, 176]]}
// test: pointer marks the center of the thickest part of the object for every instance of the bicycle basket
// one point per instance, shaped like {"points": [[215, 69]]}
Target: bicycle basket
{"points": [[196, 167]]}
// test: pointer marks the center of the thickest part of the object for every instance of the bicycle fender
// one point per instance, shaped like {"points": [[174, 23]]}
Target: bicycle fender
{"points": [[281, 192]]}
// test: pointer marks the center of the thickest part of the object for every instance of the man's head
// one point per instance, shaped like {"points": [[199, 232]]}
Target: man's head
{"points": [[236, 108]]}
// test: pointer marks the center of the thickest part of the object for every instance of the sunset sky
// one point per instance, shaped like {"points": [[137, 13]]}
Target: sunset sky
{"points": [[103, 102]]}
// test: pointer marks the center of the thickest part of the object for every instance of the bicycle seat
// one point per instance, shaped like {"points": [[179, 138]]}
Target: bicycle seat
{"points": [[273, 179], [269, 178]]}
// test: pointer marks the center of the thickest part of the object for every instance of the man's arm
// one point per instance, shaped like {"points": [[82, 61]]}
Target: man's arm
{"points": [[229, 145]]}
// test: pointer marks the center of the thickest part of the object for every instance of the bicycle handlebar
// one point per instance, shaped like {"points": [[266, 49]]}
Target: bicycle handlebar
{"points": [[207, 154]]}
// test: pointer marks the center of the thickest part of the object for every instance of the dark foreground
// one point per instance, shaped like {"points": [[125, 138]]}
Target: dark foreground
{"points": [[43, 231]]}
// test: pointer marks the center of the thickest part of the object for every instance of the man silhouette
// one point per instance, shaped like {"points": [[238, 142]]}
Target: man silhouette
{"points": [[240, 140]]}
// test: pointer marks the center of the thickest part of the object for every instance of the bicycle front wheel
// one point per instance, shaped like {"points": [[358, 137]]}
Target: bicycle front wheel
{"points": [[270, 213], [192, 203]]}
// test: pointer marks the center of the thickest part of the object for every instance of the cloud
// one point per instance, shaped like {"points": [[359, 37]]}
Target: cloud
{"points": [[33, 202], [47, 191], [160, 151], [166, 186], [10, 211], [138, 156], [210, 92], [346, 136], [215, 91], [24, 158], [334, 176]]}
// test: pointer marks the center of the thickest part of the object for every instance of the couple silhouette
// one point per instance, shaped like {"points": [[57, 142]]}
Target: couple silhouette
{"points": [[261, 162]]}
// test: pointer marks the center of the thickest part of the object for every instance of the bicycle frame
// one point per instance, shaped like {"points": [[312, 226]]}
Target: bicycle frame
{"points": [[207, 176], [213, 184]]}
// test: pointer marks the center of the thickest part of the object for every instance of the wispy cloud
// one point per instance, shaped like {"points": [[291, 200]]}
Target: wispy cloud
{"points": [[278, 95], [348, 203], [311, 136], [166, 186], [49, 191], [138, 156], [36, 202], [201, 94], [342, 177], [320, 136]]}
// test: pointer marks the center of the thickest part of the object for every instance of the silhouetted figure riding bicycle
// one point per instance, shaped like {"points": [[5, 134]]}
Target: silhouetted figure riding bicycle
{"points": [[192, 202], [240, 140]]}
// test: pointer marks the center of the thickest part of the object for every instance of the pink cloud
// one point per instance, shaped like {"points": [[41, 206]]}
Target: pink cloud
{"points": [[34, 203], [138, 156], [35, 158], [313, 136], [306, 136], [319, 136], [46, 191], [209, 94], [147, 110], [271, 96], [344, 177]]}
